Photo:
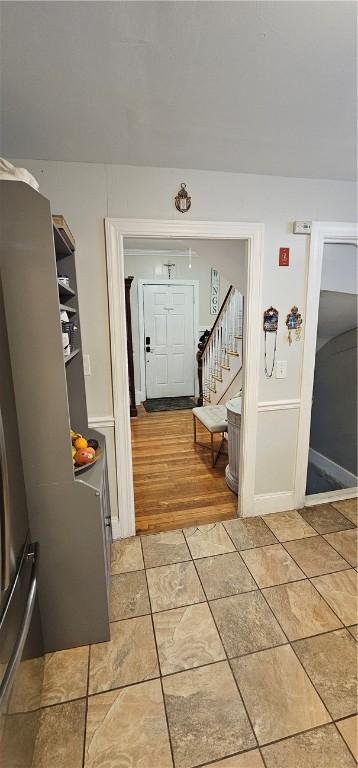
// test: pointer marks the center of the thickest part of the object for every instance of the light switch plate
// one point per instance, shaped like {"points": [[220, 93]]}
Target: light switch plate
{"points": [[281, 369], [86, 365]]}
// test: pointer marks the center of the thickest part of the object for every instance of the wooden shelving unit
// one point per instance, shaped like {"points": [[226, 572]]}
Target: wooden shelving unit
{"points": [[69, 515]]}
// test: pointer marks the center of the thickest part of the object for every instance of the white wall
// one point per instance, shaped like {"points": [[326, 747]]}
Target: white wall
{"points": [[150, 266], [86, 193]]}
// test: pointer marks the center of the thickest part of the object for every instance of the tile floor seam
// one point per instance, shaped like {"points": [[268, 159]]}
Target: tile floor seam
{"points": [[320, 536], [304, 669], [343, 739], [309, 578], [86, 708], [335, 548], [159, 666], [228, 662]]}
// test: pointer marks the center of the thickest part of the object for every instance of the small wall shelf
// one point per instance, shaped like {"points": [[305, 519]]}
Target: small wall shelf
{"points": [[65, 308], [65, 291], [73, 354]]}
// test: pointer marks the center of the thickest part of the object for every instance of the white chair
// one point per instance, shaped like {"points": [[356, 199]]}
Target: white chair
{"points": [[214, 419]]}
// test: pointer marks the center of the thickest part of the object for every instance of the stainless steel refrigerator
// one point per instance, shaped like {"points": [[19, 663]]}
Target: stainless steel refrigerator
{"points": [[21, 660]]}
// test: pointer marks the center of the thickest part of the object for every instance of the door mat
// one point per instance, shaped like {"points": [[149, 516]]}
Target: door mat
{"points": [[169, 404]]}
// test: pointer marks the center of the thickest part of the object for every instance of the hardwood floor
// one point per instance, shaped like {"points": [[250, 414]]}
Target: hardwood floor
{"points": [[174, 483]]}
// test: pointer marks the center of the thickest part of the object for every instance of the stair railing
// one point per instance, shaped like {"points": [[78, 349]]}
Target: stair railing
{"points": [[223, 340]]}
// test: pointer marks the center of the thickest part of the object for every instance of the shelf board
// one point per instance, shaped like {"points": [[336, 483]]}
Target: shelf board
{"points": [[61, 246], [65, 308], [65, 290], [73, 354]]}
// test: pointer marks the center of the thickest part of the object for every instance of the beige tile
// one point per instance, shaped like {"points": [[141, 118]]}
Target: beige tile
{"points": [[340, 592], [348, 508], [171, 586], [224, 575], [60, 738], [320, 748], [187, 637], [271, 565], [246, 624], [26, 694], [16, 752], [249, 532], [354, 631], [207, 720], [129, 656], [346, 543], [65, 675], [331, 662], [129, 596], [289, 525], [315, 556], [349, 730], [127, 555], [128, 728], [301, 610], [325, 519], [164, 548], [207, 540], [250, 759], [279, 697]]}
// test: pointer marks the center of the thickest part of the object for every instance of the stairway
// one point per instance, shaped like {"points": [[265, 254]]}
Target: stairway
{"points": [[220, 359]]}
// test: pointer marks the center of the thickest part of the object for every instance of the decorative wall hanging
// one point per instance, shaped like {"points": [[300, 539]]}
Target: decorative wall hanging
{"points": [[182, 199], [214, 292], [270, 325], [294, 323], [170, 266]]}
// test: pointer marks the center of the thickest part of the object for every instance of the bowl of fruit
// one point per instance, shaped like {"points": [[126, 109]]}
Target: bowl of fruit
{"points": [[84, 451]]}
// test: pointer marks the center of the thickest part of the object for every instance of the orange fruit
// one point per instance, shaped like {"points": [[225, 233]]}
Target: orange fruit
{"points": [[80, 442], [83, 456]]}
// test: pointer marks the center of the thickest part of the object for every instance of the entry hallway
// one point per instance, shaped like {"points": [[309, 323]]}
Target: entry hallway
{"points": [[174, 482], [232, 645]]}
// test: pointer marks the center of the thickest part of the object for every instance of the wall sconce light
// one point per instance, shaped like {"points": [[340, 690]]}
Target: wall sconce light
{"points": [[189, 265], [182, 199]]}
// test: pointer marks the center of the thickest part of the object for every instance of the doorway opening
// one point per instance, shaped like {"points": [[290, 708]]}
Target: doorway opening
{"points": [[332, 458], [185, 296], [117, 230]]}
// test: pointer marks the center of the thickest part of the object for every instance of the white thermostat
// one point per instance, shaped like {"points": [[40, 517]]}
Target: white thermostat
{"points": [[302, 227]]}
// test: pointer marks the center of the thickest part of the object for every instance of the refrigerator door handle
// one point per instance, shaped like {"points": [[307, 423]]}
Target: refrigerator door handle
{"points": [[16, 655], [5, 518]]}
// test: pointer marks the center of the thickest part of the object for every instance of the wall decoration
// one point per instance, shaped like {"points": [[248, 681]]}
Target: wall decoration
{"points": [[284, 257], [270, 325], [170, 266], [182, 199], [294, 323], [214, 292]]}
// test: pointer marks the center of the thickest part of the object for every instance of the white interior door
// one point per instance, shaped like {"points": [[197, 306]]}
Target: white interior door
{"points": [[169, 340]]}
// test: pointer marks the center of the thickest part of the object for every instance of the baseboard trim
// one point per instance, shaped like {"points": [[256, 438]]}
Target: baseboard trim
{"points": [[139, 397], [338, 473], [267, 503], [331, 496]]}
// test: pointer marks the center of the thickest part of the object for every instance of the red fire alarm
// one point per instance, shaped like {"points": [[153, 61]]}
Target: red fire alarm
{"points": [[284, 257]]}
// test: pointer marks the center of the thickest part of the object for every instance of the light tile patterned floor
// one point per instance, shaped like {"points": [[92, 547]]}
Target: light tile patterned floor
{"points": [[235, 646]]}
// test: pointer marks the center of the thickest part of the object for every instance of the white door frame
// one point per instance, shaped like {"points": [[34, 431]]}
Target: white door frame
{"points": [[116, 231], [322, 232], [141, 284]]}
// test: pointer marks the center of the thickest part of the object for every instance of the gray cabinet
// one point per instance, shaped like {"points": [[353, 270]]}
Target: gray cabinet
{"points": [[69, 514]]}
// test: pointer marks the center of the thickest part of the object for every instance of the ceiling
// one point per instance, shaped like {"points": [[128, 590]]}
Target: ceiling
{"points": [[337, 314], [258, 87]]}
